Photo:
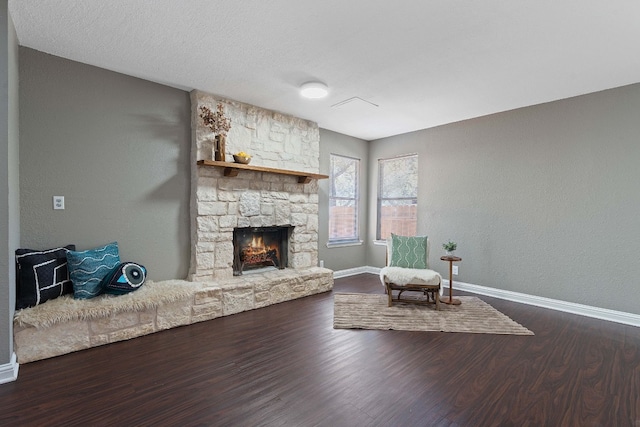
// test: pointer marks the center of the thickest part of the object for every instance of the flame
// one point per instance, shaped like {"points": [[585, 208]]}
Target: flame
{"points": [[257, 243], [255, 251], [256, 247]]}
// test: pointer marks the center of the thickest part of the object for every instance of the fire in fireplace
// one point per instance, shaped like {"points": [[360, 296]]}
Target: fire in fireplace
{"points": [[260, 247]]}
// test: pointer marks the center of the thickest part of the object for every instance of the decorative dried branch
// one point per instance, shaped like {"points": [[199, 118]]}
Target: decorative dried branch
{"points": [[217, 122]]}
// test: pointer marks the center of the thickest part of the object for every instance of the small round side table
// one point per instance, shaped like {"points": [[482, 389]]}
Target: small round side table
{"points": [[450, 300]]}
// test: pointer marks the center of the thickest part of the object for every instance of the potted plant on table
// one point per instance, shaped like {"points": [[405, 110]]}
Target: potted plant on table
{"points": [[450, 247]]}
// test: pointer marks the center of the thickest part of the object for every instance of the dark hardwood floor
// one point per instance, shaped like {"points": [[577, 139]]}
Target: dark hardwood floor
{"points": [[285, 365]]}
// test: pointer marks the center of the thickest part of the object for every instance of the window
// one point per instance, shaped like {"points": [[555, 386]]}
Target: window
{"points": [[343, 200], [397, 196]]}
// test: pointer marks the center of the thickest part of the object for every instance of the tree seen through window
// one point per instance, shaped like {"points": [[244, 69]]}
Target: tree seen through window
{"points": [[397, 196], [343, 199]]}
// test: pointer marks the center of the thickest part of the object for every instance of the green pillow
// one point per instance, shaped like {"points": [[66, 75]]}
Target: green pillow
{"points": [[408, 252]]}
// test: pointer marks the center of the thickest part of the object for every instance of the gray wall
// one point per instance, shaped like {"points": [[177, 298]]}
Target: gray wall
{"points": [[341, 258], [542, 200], [117, 148], [9, 184]]}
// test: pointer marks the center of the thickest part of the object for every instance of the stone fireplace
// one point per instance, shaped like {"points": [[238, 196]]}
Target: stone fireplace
{"points": [[257, 205], [223, 203]]}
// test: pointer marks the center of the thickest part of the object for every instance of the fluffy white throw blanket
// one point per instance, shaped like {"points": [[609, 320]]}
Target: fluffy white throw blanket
{"points": [[403, 276], [65, 308]]}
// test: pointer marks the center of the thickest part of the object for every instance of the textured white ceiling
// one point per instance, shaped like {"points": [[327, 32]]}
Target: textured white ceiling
{"points": [[422, 62]]}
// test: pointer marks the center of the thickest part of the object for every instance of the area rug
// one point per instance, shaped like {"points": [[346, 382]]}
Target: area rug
{"points": [[370, 311]]}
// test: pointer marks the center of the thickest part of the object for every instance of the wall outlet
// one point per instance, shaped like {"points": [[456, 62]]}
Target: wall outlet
{"points": [[455, 270], [58, 202]]}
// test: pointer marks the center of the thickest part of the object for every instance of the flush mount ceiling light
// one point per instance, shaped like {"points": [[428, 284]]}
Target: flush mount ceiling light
{"points": [[314, 90]]}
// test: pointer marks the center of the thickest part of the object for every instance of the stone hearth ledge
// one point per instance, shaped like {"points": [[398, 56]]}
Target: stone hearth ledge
{"points": [[204, 301]]}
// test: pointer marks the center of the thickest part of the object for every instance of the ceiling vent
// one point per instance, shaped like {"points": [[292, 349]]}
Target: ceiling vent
{"points": [[354, 101]]}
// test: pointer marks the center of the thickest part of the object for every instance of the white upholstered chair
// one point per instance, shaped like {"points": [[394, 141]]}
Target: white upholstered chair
{"points": [[408, 270]]}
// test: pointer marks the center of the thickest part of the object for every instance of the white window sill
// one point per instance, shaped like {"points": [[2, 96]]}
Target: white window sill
{"points": [[380, 242], [344, 244]]}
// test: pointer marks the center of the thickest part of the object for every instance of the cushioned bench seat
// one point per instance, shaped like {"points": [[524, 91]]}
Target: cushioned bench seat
{"points": [[64, 325], [403, 280], [408, 270]]}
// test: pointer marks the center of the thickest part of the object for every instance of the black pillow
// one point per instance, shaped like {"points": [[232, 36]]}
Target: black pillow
{"points": [[123, 278], [41, 275]]}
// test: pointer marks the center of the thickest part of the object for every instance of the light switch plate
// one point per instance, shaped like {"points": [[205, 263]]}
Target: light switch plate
{"points": [[455, 270]]}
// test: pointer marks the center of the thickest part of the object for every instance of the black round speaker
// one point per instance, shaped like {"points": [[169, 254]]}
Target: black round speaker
{"points": [[133, 274]]}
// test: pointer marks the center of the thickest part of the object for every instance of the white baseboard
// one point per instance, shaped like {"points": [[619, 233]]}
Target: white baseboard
{"points": [[553, 304], [354, 271], [9, 371]]}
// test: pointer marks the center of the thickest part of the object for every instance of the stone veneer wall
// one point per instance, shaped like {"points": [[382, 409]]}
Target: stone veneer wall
{"points": [[274, 139], [219, 204]]}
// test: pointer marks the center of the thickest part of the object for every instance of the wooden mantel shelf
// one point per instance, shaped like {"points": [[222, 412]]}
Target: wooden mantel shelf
{"points": [[232, 169]]}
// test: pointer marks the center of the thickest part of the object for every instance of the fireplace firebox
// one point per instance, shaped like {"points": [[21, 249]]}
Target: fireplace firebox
{"points": [[260, 247]]}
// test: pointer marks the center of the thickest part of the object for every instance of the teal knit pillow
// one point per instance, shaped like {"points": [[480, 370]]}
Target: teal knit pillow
{"points": [[88, 268], [408, 252]]}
